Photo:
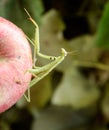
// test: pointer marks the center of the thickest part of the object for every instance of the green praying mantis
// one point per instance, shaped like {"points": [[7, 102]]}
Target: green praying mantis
{"points": [[40, 72]]}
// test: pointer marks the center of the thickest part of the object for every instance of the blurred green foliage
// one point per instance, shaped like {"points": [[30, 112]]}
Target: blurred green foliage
{"points": [[14, 11], [102, 38]]}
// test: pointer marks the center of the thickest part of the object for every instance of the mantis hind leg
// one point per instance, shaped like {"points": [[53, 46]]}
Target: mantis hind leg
{"points": [[27, 97], [36, 42]]}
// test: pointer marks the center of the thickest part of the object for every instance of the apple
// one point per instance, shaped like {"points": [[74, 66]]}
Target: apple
{"points": [[15, 60]]}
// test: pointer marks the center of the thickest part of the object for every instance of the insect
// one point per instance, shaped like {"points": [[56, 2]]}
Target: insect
{"points": [[41, 72]]}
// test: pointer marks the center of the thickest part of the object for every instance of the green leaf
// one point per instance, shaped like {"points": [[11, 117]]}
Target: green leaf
{"points": [[102, 37]]}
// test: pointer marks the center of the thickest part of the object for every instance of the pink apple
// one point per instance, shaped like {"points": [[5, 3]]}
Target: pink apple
{"points": [[15, 60]]}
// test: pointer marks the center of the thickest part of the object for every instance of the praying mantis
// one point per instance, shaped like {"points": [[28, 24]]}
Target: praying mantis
{"points": [[40, 72]]}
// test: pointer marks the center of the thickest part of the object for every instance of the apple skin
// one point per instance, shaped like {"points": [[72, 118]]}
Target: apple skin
{"points": [[15, 60]]}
